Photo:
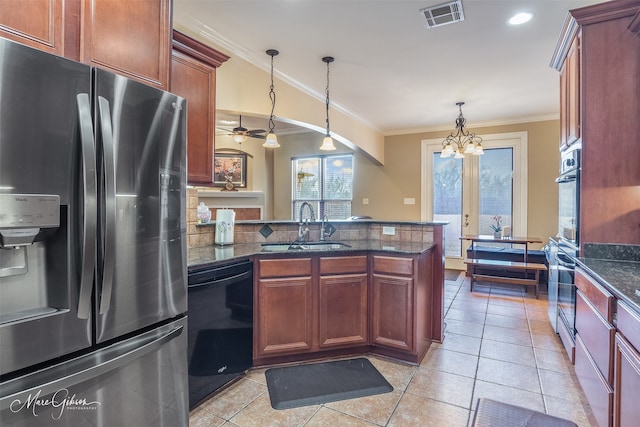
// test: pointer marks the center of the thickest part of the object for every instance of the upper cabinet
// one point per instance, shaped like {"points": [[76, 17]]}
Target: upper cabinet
{"points": [[131, 38], [571, 74], [193, 76], [36, 23], [598, 55]]}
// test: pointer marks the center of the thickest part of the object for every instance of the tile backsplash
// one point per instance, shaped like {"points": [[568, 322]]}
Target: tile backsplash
{"points": [[203, 235]]}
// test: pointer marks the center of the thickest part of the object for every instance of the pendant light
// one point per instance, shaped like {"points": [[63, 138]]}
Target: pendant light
{"points": [[272, 140], [327, 142]]}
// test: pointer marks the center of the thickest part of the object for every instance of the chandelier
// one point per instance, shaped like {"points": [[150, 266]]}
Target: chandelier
{"points": [[462, 141]]}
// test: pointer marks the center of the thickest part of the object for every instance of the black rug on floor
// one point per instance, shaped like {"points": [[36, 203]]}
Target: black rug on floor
{"points": [[318, 383]]}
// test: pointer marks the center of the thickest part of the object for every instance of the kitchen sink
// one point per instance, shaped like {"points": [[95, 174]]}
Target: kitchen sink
{"points": [[307, 246]]}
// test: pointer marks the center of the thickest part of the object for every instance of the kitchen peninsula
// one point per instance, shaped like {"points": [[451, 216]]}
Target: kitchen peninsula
{"points": [[378, 292]]}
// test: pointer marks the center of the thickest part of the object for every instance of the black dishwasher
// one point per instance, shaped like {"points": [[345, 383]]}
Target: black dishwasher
{"points": [[220, 327]]}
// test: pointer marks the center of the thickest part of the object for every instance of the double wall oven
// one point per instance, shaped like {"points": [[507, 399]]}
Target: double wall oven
{"points": [[564, 248]]}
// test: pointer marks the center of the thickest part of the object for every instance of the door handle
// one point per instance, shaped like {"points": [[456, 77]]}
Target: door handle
{"points": [[88, 154], [466, 220], [108, 155]]}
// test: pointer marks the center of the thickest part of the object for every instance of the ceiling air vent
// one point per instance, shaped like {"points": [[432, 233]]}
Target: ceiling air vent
{"points": [[443, 14]]}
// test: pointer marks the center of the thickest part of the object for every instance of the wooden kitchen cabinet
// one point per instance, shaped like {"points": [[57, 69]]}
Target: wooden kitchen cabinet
{"points": [[570, 96], [42, 24], [598, 54], [130, 38], [343, 319], [392, 307], [626, 411], [193, 77], [400, 312], [595, 337], [596, 388], [286, 314], [326, 305]]}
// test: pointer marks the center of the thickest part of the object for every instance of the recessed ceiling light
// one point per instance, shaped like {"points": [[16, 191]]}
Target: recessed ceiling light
{"points": [[520, 18]]}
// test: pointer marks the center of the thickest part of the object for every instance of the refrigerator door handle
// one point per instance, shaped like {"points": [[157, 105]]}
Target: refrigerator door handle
{"points": [[86, 367], [108, 155], [90, 205]]}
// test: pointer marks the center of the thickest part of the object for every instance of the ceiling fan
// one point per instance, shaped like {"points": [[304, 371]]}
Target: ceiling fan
{"points": [[240, 133]]}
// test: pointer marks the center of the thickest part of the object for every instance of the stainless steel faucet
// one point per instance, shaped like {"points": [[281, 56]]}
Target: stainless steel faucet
{"points": [[303, 228], [322, 224]]}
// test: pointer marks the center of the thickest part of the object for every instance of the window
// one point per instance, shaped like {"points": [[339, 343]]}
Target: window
{"points": [[325, 182]]}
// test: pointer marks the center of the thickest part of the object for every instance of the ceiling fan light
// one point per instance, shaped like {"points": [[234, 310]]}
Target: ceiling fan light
{"points": [[239, 138], [271, 141]]}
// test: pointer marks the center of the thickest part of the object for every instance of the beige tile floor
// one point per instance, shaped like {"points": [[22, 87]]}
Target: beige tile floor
{"points": [[498, 344]]}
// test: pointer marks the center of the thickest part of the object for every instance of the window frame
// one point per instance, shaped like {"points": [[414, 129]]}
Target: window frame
{"points": [[322, 200]]}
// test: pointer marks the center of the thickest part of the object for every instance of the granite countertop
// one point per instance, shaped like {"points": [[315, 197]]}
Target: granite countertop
{"points": [[622, 278], [212, 255]]}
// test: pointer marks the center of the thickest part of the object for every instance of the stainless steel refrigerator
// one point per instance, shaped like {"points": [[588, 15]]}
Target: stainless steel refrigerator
{"points": [[93, 293]]}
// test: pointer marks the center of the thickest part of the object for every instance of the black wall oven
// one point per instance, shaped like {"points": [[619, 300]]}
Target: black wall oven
{"points": [[564, 248], [569, 197]]}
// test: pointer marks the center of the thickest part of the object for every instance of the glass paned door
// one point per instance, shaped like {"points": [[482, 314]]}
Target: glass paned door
{"points": [[472, 193], [447, 200], [495, 192]]}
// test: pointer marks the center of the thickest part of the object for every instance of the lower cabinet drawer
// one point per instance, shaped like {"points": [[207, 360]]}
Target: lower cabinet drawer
{"points": [[596, 334], [596, 388], [629, 324]]}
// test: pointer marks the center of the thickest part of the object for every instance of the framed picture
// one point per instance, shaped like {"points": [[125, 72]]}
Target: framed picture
{"points": [[230, 168]]}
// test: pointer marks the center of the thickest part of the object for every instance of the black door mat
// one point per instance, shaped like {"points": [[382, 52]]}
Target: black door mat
{"points": [[317, 383]]}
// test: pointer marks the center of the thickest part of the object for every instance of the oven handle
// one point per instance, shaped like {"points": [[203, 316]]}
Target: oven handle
{"points": [[566, 178]]}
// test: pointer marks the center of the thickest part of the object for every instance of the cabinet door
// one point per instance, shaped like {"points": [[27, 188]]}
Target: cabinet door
{"points": [[572, 69], [626, 412], [285, 316], [196, 82], [343, 310], [131, 38], [596, 388], [392, 310], [36, 23]]}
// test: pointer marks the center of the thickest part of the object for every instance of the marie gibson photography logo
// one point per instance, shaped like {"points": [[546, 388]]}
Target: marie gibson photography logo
{"points": [[60, 401]]}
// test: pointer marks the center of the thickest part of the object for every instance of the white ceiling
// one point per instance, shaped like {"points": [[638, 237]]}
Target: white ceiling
{"points": [[390, 71]]}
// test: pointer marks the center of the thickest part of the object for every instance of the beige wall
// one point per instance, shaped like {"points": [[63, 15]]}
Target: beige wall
{"points": [[387, 186]]}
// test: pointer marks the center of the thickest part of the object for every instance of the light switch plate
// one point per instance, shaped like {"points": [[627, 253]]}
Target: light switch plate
{"points": [[409, 201]]}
